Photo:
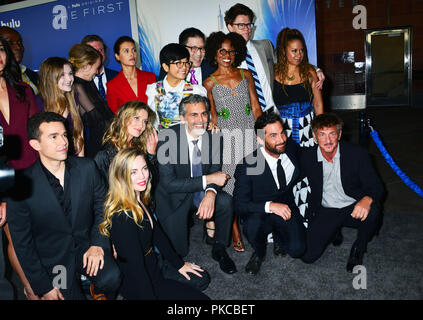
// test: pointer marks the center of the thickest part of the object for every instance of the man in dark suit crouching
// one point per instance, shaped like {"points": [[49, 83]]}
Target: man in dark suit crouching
{"points": [[54, 220], [190, 163], [345, 191], [263, 193]]}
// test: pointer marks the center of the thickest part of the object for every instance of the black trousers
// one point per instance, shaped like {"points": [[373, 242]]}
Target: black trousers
{"points": [[324, 226], [289, 234], [6, 290], [106, 281], [176, 227]]}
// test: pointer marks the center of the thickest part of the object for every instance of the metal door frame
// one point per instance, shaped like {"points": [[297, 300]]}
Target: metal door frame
{"points": [[408, 32]]}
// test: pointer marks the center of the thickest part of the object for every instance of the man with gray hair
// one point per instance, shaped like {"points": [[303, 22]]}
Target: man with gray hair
{"points": [[190, 162], [345, 191]]}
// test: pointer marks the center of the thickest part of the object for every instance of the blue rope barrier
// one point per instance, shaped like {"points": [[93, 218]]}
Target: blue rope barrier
{"points": [[375, 136]]}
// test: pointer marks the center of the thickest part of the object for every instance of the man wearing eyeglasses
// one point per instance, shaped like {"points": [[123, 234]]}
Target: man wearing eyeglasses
{"points": [[165, 95], [194, 40], [260, 53]]}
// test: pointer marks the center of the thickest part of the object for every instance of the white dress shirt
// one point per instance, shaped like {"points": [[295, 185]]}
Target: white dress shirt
{"points": [[333, 194], [272, 162], [103, 79]]}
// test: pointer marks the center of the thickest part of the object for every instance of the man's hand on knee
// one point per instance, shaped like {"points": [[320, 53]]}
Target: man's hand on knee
{"points": [[281, 210], [362, 208], [206, 207]]}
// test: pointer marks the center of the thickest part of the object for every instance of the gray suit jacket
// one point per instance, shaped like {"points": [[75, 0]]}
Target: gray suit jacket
{"points": [[267, 56]]}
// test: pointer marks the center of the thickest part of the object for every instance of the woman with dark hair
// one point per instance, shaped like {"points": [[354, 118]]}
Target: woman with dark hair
{"points": [[234, 104], [164, 96], [131, 83], [295, 93], [129, 222], [17, 105], [96, 115]]}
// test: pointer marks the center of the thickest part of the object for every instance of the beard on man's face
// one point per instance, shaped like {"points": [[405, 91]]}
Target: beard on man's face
{"points": [[276, 149]]}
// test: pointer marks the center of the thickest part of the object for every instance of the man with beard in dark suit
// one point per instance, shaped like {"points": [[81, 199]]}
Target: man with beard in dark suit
{"points": [[263, 193]]}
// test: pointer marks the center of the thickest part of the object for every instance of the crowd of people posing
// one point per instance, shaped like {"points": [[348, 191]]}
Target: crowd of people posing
{"points": [[114, 168]]}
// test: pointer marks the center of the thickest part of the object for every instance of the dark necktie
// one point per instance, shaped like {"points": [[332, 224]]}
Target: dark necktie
{"points": [[281, 175], [252, 68], [101, 89], [197, 171]]}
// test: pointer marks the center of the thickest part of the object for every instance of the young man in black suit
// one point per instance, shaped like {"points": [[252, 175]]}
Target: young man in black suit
{"points": [[54, 221], [345, 191], [194, 40], [190, 162], [263, 193]]}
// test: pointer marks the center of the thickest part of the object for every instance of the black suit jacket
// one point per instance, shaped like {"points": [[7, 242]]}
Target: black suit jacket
{"points": [[42, 236], [110, 74], [176, 188], [358, 176], [206, 71], [252, 191], [32, 75]]}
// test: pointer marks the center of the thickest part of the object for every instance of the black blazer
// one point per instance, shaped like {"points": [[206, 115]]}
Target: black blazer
{"points": [[32, 75], [42, 236], [108, 151], [358, 175], [252, 191], [140, 270], [206, 71], [176, 188], [110, 74]]}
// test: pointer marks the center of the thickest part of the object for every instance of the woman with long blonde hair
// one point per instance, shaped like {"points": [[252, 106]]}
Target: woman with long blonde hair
{"points": [[96, 115], [132, 126], [295, 93], [134, 232], [56, 89]]}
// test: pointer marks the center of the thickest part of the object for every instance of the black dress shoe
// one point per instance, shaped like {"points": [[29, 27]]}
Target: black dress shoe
{"points": [[355, 259], [277, 250], [254, 264], [339, 238], [225, 263]]}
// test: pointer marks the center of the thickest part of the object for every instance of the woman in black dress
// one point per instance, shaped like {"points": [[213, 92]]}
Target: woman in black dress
{"points": [[130, 224], [95, 113]]}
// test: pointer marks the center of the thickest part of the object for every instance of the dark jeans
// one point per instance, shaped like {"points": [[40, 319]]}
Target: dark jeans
{"points": [[328, 221]]}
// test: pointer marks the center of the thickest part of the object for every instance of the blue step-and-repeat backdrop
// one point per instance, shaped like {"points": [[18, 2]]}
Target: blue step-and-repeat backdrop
{"points": [[50, 28]]}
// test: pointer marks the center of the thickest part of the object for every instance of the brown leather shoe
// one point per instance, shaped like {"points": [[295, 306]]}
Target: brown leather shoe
{"points": [[98, 296]]}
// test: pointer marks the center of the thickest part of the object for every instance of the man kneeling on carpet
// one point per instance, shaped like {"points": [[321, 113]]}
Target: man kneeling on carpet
{"points": [[345, 191]]}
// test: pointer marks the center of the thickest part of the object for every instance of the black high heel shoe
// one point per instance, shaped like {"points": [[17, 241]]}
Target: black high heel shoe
{"points": [[206, 238]]}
